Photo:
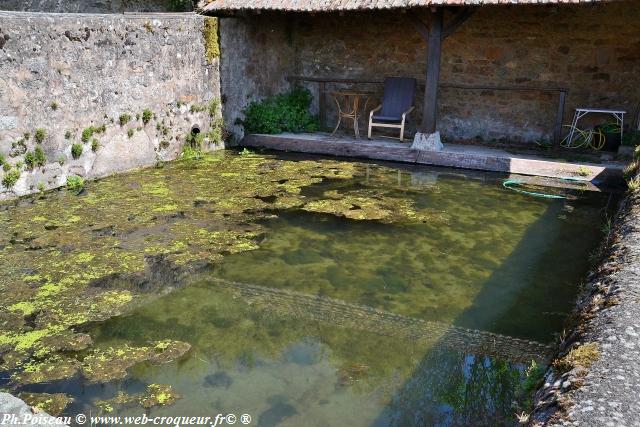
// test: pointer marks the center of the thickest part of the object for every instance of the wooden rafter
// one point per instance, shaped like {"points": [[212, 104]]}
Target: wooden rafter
{"points": [[459, 18]]}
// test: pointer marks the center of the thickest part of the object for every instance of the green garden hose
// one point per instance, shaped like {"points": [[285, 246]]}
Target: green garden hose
{"points": [[513, 184]]}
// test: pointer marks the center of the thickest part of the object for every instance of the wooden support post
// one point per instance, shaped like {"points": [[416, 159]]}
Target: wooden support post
{"points": [[434, 50]]}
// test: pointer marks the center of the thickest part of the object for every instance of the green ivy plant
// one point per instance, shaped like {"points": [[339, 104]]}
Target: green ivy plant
{"points": [[287, 112]]}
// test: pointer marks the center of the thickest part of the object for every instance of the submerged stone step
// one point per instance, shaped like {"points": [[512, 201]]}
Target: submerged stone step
{"points": [[354, 316]]}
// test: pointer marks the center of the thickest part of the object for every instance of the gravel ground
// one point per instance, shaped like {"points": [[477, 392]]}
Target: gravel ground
{"points": [[607, 393]]}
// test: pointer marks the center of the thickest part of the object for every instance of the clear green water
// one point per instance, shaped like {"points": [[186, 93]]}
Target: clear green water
{"points": [[486, 259]]}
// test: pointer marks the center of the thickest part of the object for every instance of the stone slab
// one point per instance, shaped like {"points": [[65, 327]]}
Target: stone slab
{"points": [[452, 155]]}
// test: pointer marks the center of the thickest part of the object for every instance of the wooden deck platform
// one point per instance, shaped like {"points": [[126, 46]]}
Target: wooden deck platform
{"points": [[453, 155]]}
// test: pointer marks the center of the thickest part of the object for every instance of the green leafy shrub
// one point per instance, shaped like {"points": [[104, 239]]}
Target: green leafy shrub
{"points": [[95, 144], [130, 133], [124, 119], [147, 115], [6, 166], [2, 160], [41, 187], [75, 183], [40, 135], [288, 112], [10, 178], [76, 151]]}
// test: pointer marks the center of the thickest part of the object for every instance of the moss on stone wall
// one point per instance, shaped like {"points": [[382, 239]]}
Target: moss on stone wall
{"points": [[211, 42]]}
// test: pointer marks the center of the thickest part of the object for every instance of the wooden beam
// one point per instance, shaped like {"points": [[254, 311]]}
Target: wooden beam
{"points": [[419, 25], [434, 50], [458, 19]]}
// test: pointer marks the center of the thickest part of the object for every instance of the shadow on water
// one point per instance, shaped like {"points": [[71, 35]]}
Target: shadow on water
{"points": [[452, 388]]}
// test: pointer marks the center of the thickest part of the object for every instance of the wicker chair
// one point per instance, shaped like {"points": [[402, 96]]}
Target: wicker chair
{"points": [[397, 103]]}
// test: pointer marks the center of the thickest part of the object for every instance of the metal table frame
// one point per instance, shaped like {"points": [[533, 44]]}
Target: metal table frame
{"points": [[351, 109], [581, 112]]}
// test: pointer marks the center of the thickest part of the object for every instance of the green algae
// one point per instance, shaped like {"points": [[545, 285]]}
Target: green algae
{"points": [[120, 399], [368, 205], [53, 404], [66, 247], [104, 365], [158, 395], [112, 363], [154, 395], [54, 368], [71, 262]]}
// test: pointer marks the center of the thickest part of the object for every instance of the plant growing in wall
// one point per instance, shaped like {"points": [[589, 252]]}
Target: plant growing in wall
{"points": [[87, 133], [147, 115], [211, 43], [192, 148], [75, 183], [287, 112], [124, 119], [18, 147], [76, 151], [41, 159], [10, 178], [40, 135]]}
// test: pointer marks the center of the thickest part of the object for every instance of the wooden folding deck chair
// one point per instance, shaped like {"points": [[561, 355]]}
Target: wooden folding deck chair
{"points": [[397, 103]]}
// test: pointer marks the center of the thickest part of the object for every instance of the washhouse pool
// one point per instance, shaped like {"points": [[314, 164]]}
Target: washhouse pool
{"points": [[300, 291]]}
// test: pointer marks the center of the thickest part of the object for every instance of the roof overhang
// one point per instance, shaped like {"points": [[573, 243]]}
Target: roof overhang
{"points": [[232, 6]]}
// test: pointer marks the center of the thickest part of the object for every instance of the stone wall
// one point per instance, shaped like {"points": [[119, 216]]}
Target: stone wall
{"points": [[96, 6], [601, 390], [257, 54], [593, 50], [64, 74]]}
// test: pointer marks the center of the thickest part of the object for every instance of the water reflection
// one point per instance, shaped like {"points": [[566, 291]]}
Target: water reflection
{"points": [[333, 320]]}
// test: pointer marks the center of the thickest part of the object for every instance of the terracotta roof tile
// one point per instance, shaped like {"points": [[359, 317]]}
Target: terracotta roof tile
{"points": [[213, 6]]}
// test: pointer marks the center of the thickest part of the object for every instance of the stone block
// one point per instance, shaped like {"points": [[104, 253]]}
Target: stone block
{"points": [[427, 142], [8, 122]]}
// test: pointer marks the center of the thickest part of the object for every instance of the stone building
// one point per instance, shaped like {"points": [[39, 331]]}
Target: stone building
{"points": [[590, 50]]}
